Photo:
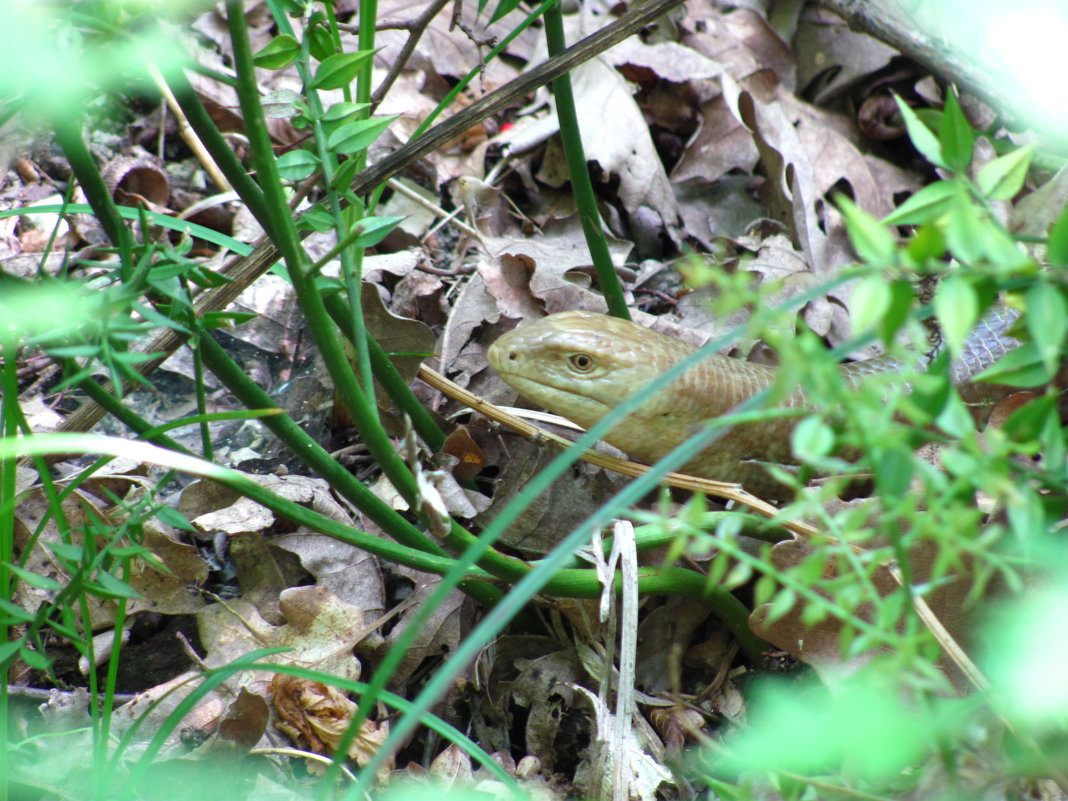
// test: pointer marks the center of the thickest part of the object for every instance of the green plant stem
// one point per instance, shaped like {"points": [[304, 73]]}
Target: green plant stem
{"points": [[75, 587], [125, 415], [365, 41], [581, 185], [205, 128], [69, 136], [9, 415], [104, 734], [313, 454], [392, 382]]}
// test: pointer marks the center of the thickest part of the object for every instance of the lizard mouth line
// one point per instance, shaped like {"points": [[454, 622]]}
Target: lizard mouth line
{"points": [[552, 397]]}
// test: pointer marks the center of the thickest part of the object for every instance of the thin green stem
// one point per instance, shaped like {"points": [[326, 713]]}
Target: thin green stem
{"points": [[581, 185], [69, 136], [313, 454], [8, 428], [205, 128], [391, 380], [100, 763]]}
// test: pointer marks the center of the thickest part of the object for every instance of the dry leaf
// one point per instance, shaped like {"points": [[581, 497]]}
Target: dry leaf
{"points": [[316, 715]]}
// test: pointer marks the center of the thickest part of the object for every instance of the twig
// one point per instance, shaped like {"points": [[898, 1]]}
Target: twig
{"points": [[185, 130], [438, 211], [309, 755], [416, 30]]}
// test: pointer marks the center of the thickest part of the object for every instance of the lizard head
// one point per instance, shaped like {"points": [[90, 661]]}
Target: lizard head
{"points": [[582, 364]]}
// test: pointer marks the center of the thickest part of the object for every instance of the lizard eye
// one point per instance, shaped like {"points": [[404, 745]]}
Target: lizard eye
{"points": [[582, 362]]}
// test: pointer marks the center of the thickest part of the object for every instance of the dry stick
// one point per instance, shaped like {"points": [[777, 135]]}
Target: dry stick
{"points": [[415, 33], [244, 270], [185, 130], [436, 210]]}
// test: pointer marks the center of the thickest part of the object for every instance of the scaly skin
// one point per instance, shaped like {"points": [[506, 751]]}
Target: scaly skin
{"points": [[581, 365]]}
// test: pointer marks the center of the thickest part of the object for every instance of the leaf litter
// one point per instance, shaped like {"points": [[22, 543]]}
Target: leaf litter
{"points": [[719, 131]]}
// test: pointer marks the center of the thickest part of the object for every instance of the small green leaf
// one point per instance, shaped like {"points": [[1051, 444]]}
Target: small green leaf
{"points": [[296, 165], [922, 138], [1001, 249], [1028, 422], [1022, 367], [901, 296], [504, 8], [15, 612], [282, 104], [956, 306], [35, 579], [226, 319], [340, 69], [955, 419], [871, 240], [73, 351], [1027, 517], [956, 135], [356, 136], [107, 586], [1002, 178], [316, 219], [964, 229], [868, 302], [1057, 248], [322, 44], [738, 575], [343, 110], [925, 206], [781, 604], [344, 175], [133, 357], [278, 53], [813, 614], [9, 649], [35, 660], [893, 473], [66, 551], [812, 439], [340, 113], [172, 517], [375, 229], [764, 590], [926, 244], [1047, 320]]}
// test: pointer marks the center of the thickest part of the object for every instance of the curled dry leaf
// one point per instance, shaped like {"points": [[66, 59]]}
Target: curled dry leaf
{"points": [[135, 181], [245, 720], [315, 715]]}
